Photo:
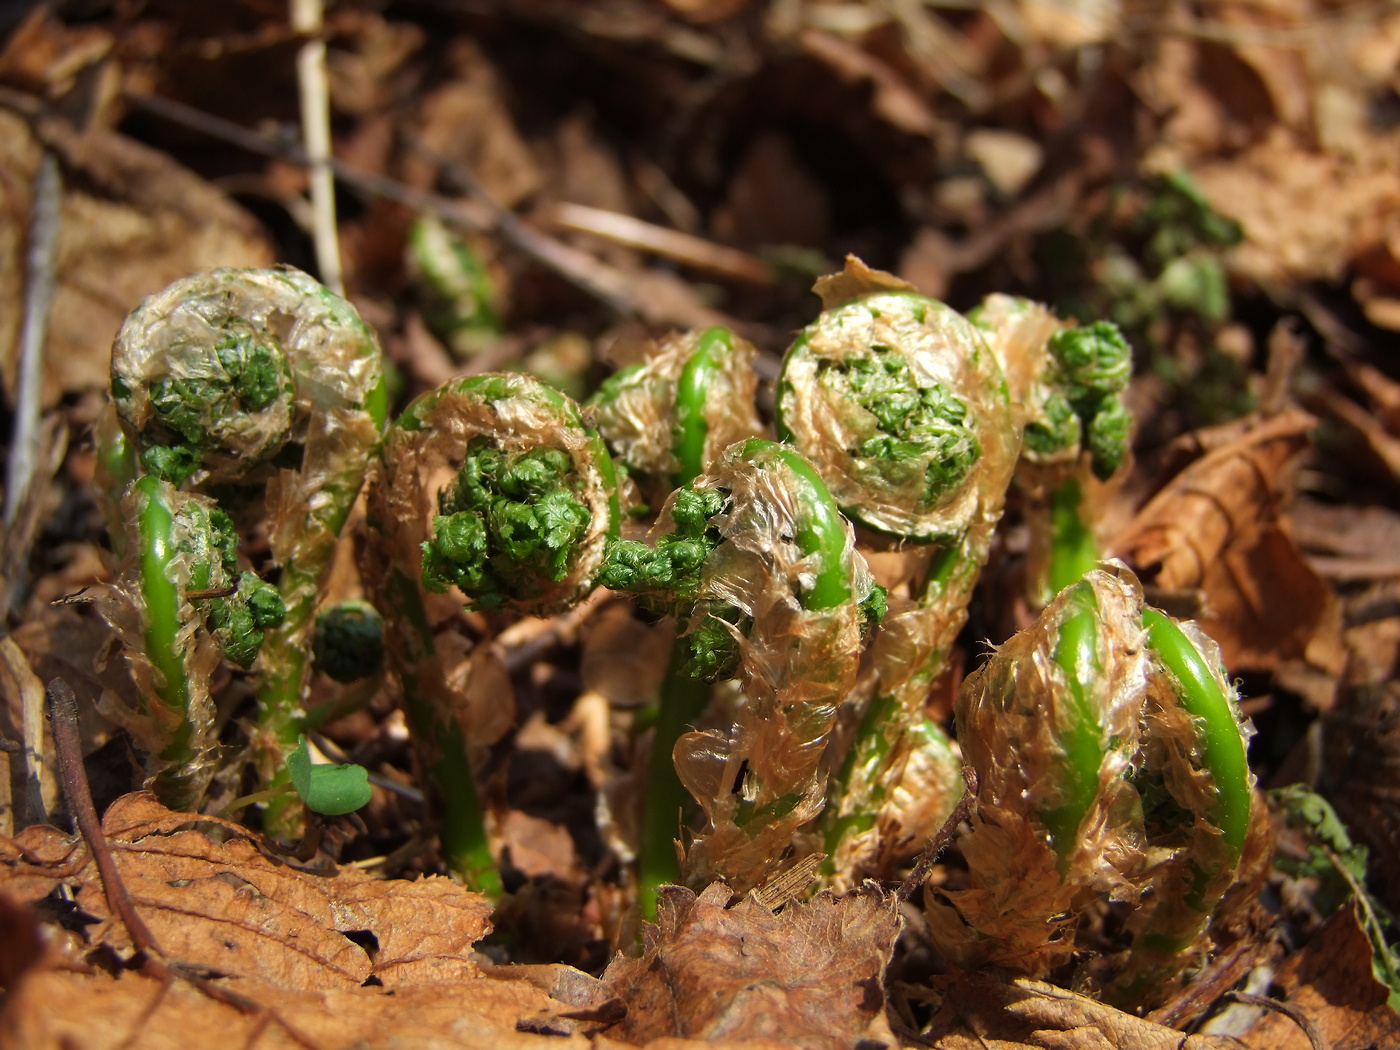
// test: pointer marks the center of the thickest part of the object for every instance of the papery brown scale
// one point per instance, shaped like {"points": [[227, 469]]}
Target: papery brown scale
{"points": [[1012, 715], [639, 423], [796, 665]]}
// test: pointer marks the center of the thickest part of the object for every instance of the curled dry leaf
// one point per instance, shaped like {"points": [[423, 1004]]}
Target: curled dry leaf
{"points": [[810, 976], [1219, 527], [985, 1013]]}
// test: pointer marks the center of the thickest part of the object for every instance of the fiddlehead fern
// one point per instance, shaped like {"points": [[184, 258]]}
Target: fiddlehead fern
{"points": [[903, 408], [492, 484], [756, 557], [262, 389]]}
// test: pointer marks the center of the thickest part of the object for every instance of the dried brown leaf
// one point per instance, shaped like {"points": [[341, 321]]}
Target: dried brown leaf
{"points": [[810, 976], [1305, 213], [133, 221], [984, 1013], [230, 908], [1331, 983], [1219, 526], [59, 1009]]}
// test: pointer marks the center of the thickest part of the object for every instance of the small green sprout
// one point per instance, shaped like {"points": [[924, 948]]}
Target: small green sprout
{"points": [[329, 789], [228, 400]]}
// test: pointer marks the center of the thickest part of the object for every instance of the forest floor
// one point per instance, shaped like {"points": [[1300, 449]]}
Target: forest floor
{"points": [[1221, 179]]}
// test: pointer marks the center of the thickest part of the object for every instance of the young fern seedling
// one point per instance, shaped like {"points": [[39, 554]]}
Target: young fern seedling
{"points": [[1051, 724], [1111, 762], [902, 407], [522, 523], [263, 390], [454, 287], [757, 559], [667, 420], [1066, 384], [1202, 819]]}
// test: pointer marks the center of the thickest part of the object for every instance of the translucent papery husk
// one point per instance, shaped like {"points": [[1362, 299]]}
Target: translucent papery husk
{"points": [[942, 349], [1017, 330], [1193, 866], [759, 783], [918, 802], [332, 359], [874, 808], [637, 414], [422, 452], [175, 726], [1015, 717]]}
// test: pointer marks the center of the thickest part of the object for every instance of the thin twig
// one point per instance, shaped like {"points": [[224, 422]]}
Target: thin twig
{"points": [[1297, 1016], [463, 214], [941, 838], [308, 18], [480, 214], [17, 539], [63, 710], [46, 217], [659, 240]]}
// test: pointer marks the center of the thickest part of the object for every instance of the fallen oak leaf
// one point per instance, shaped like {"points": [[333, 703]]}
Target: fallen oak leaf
{"points": [[1218, 526], [811, 976]]}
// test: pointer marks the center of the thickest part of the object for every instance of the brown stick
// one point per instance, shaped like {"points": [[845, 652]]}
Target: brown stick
{"points": [[943, 836], [63, 716]]}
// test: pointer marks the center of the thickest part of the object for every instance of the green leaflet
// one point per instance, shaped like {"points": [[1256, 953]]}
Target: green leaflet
{"points": [[331, 790], [511, 521]]}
